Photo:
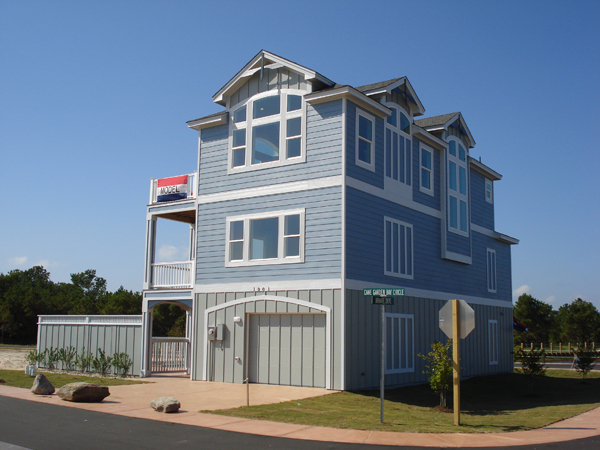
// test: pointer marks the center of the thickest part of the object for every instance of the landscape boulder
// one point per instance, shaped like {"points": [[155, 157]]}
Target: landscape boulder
{"points": [[165, 404], [83, 392], [41, 385]]}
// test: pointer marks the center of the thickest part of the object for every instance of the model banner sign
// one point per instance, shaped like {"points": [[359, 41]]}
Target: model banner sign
{"points": [[169, 189]]}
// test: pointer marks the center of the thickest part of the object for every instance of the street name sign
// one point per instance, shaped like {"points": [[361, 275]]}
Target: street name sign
{"points": [[382, 301], [383, 292]]}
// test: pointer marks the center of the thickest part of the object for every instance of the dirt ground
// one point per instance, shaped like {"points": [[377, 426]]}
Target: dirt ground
{"points": [[13, 359]]}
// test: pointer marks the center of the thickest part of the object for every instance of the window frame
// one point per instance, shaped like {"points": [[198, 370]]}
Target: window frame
{"points": [[431, 190], [247, 218], [407, 262], [489, 183], [455, 193], [404, 179], [492, 342], [250, 123], [359, 162], [492, 270], [403, 350]]}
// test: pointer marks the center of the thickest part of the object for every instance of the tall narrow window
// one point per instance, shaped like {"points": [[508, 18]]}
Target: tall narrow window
{"points": [[493, 341], [489, 191], [365, 143], [398, 255], [458, 196], [399, 343], [426, 170], [491, 270], [398, 161]]}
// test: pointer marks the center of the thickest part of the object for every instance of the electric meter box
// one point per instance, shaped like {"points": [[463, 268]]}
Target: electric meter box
{"points": [[215, 333]]}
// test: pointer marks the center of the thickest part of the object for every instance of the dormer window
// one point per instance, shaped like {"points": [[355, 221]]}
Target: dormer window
{"points": [[267, 131], [458, 198], [398, 159]]}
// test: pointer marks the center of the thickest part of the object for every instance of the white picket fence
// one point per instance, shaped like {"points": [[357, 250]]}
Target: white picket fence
{"points": [[170, 354], [172, 274]]}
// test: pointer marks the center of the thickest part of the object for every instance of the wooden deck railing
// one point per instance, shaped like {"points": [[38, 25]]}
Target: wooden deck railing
{"points": [[170, 354], [172, 274]]}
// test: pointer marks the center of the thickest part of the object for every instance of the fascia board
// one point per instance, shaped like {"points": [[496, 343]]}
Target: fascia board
{"points": [[390, 87], [464, 124], [484, 169], [249, 70], [506, 239], [420, 106], [351, 94], [207, 122], [428, 137]]}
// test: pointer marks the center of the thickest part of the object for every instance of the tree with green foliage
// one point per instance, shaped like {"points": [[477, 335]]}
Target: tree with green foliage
{"points": [[168, 320], [578, 322], [532, 364], [438, 367], [584, 361], [120, 302], [93, 289], [537, 316]]}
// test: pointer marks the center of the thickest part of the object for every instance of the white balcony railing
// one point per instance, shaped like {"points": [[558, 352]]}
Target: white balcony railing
{"points": [[172, 274], [192, 183], [169, 354]]}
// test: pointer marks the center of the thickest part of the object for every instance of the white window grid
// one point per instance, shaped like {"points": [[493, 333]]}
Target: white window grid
{"points": [[489, 191], [426, 171], [462, 228], [400, 343], [281, 259], [403, 251], [359, 162], [398, 166]]}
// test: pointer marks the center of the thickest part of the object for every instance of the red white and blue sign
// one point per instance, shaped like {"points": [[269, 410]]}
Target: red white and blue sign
{"points": [[169, 189]]}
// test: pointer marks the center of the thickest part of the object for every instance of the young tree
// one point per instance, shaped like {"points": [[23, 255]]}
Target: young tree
{"points": [[438, 367], [537, 316], [532, 364], [584, 361]]}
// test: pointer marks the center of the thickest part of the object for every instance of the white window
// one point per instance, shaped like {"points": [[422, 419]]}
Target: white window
{"points": [[493, 341], [398, 164], [489, 191], [426, 170], [491, 270], [365, 140], [265, 238], [267, 131], [458, 196], [398, 242], [399, 343]]}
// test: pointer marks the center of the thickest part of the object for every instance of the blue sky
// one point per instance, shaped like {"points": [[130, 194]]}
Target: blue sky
{"points": [[94, 97]]}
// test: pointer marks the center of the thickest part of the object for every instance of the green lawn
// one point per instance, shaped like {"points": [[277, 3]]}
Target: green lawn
{"points": [[17, 378], [488, 404]]}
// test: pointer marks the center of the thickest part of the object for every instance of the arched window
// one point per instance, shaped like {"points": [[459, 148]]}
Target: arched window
{"points": [[398, 146]]}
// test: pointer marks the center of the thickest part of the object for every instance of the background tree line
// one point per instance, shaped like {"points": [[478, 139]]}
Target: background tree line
{"points": [[575, 322], [25, 294]]}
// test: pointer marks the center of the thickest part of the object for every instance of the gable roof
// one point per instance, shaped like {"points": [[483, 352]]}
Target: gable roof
{"points": [[386, 87], [444, 121], [264, 59]]}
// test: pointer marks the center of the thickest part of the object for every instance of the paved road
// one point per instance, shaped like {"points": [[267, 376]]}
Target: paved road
{"points": [[37, 426]]}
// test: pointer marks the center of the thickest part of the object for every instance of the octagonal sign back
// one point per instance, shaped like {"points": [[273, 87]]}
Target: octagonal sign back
{"points": [[466, 317]]}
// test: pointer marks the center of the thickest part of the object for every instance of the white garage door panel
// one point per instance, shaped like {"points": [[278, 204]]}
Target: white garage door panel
{"points": [[287, 349]]}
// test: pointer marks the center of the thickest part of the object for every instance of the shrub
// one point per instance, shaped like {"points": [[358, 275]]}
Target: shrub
{"points": [[584, 361], [84, 360], [122, 363], [67, 356], [438, 367], [36, 358], [102, 363], [51, 358]]}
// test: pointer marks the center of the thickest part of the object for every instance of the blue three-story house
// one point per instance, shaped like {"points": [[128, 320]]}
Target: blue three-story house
{"points": [[307, 192]]}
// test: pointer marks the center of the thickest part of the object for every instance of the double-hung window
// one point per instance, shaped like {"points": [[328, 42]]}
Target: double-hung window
{"points": [[365, 140], [397, 147], [458, 197], [426, 170], [493, 342], [267, 131], [399, 343], [265, 238], [489, 191], [491, 270], [398, 254]]}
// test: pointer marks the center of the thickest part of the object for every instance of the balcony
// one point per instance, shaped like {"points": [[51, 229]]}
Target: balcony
{"points": [[180, 188], [172, 275]]}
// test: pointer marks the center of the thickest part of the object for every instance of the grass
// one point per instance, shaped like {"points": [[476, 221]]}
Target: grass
{"points": [[17, 378], [493, 403]]}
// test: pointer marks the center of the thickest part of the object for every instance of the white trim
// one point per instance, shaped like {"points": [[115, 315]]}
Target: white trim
{"points": [[425, 294], [416, 131], [392, 197], [324, 309], [281, 258], [399, 187], [210, 121], [491, 190], [455, 193], [343, 255], [493, 234], [403, 351], [269, 285], [453, 256], [347, 92], [390, 87], [283, 188], [399, 274], [492, 279], [485, 170], [492, 341], [431, 190], [359, 162]]}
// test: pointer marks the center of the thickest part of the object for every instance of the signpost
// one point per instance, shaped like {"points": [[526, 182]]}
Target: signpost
{"points": [[383, 297], [457, 320]]}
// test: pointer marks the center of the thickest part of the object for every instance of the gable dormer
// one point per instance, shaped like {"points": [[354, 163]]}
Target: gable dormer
{"points": [[397, 91], [447, 125]]}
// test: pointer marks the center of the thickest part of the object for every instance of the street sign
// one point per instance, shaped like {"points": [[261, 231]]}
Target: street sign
{"points": [[382, 300], [466, 323], [383, 292]]}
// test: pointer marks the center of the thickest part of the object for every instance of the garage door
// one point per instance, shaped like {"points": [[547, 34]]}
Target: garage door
{"points": [[287, 349]]}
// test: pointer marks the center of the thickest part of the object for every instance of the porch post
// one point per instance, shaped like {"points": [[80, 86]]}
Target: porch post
{"points": [[150, 253], [146, 367]]}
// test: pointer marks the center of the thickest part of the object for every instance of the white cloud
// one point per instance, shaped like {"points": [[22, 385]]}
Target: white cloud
{"points": [[18, 261], [521, 290], [551, 299], [168, 253], [46, 264]]}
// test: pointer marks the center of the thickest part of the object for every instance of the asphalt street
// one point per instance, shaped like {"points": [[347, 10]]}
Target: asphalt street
{"points": [[38, 426]]}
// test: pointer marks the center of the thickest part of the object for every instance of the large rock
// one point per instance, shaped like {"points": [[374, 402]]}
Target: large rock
{"points": [[41, 385], [83, 392], [166, 404]]}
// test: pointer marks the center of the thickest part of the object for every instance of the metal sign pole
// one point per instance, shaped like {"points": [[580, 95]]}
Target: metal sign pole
{"points": [[382, 382]]}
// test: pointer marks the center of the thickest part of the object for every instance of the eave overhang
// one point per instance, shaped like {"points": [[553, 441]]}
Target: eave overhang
{"points": [[462, 125], [265, 59], [479, 166], [404, 86], [352, 94], [209, 121], [427, 137], [506, 239]]}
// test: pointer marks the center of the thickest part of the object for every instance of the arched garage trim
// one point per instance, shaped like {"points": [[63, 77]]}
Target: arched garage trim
{"points": [[294, 301]]}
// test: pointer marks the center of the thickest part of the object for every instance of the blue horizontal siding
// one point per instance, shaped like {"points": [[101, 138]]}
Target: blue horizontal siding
{"points": [[323, 154], [458, 244], [323, 242], [482, 212], [360, 173], [365, 251], [418, 196]]}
